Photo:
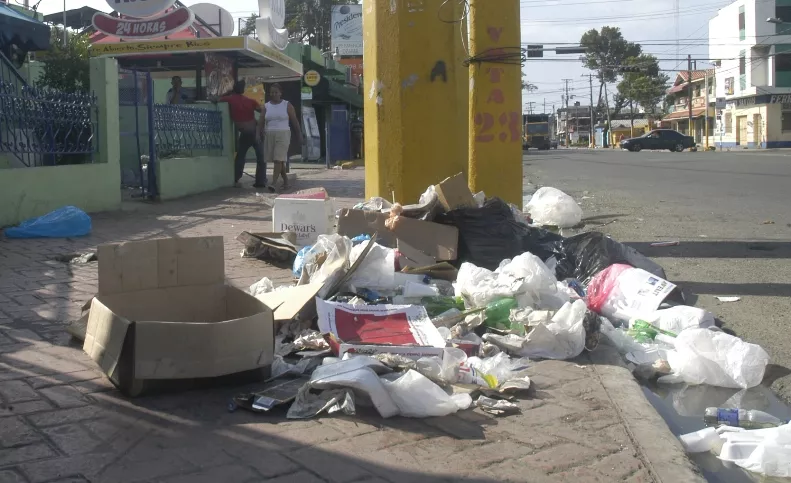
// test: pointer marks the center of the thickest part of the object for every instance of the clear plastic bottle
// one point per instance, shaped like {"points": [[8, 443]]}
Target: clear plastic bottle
{"points": [[743, 418]]}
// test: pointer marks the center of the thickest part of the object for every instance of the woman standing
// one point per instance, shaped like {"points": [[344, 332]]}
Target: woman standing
{"points": [[277, 118]]}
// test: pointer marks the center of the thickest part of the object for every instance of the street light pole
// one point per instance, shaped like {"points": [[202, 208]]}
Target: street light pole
{"points": [[64, 24], [706, 112]]}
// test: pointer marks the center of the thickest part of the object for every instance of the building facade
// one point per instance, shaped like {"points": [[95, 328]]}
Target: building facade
{"points": [[678, 96], [573, 123], [753, 78]]}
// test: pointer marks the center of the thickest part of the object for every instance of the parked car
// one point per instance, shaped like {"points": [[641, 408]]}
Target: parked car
{"points": [[659, 139], [553, 143]]}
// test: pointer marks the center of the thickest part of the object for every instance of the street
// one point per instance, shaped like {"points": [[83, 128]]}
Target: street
{"points": [[728, 210]]}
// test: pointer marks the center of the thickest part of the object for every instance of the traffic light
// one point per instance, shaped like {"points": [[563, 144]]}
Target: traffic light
{"points": [[535, 51], [630, 68]]}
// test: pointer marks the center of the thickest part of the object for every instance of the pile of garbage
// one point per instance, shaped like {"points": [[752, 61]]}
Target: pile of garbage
{"points": [[427, 309]]}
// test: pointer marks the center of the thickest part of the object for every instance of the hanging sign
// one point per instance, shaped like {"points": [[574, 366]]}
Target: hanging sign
{"points": [[146, 28], [140, 8], [312, 78], [270, 24]]}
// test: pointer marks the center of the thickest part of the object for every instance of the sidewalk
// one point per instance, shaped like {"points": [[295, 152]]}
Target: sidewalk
{"points": [[61, 421]]}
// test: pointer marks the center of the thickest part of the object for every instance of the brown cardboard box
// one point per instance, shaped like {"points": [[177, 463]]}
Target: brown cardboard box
{"points": [[164, 312], [435, 240], [454, 193]]}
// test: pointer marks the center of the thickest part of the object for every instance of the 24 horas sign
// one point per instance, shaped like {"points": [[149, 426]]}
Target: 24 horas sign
{"points": [[143, 19]]}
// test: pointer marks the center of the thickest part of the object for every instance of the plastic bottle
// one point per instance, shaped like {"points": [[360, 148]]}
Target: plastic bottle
{"points": [[743, 418], [436, 305], [644, 332], [498, 313]]}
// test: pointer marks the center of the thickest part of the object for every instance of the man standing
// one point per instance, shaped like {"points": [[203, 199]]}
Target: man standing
{"points": [[175, 94], [243, 111]]}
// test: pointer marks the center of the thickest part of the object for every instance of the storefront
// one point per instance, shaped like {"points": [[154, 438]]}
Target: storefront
{"points": [[20, 34], [762, 121]]}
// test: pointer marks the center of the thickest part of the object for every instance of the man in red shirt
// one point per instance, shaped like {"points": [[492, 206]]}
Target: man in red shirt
{"points": [[243, 111]]}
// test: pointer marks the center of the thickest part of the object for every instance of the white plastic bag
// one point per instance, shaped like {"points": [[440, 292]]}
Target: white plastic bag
{"points": [[675, 319], [261, 287], [562, 338], [377, 271], [764, 451], [479, 286], [317, 267], [417, 397], [704, 356], [550, 206], [620, 291]]}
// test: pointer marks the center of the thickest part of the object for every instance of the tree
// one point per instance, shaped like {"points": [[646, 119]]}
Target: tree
{"points": [[607, 50], [249, 25], [642, 85], [526, 86], [66, 68], [309, 21]]}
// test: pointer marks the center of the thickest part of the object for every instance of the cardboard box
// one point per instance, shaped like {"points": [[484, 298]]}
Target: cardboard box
{"points": [[454, 193], [164, 312], [307, 217], [437, 241]]}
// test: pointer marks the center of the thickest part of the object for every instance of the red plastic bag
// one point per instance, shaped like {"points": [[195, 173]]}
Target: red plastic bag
{"points": [[601, 286]]}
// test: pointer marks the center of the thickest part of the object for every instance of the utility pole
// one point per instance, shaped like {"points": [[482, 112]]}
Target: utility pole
{"points": [[495, 59], [566, 112], [706, 112], [689, 95], [544, 111], [592, 138]]}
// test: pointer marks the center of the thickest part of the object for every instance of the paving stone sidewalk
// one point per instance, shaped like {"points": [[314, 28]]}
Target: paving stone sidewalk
{"points": [[61, 421]]}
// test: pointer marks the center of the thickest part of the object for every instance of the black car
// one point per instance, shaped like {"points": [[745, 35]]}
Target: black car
{"points": [[659, 139]]}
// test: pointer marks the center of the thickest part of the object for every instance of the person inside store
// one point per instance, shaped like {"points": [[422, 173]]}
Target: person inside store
{"points": [[243, 110], [176, 93], [277, 119]]}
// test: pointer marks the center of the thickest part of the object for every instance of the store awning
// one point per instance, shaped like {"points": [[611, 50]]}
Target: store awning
{"points": [[331, 92], [679, 115], [25, 32]]}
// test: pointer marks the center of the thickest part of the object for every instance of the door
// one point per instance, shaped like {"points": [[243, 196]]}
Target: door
{"points": [[651, 141], [312, 147], [741, 130], [757, 129], [340, 135]]}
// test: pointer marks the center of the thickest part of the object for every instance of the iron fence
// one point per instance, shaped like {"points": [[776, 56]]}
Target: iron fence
{"points": [[181, 130], [44, 127]]}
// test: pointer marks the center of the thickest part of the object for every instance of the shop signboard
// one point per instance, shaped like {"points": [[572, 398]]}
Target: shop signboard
{"points": [[346, 30], [143, 19]]}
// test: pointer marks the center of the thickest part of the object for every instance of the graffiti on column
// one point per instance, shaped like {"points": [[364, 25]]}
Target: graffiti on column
{"points": [[493, 121]]}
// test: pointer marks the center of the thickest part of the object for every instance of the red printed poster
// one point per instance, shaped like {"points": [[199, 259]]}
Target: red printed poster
{"points": [[220, 75], [356, 66]]}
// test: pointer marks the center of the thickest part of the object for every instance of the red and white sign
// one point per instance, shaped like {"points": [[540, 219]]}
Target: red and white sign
{"points": [[140, 8], [174, 21]]}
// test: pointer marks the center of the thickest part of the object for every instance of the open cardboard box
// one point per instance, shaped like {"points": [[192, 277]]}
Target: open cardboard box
{"points": [[164, 312]]}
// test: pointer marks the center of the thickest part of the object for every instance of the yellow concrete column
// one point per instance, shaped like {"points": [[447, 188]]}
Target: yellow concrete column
{"points": [[411, 96], [495, 99]]}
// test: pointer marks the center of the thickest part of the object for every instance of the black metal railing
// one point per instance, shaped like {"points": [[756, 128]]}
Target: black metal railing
{"points": [[181, 130]]}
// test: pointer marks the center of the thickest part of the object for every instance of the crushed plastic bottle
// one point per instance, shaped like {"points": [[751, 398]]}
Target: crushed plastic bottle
{"points": [[498, 313], [436, 305], [643, 332], [742, 418]]}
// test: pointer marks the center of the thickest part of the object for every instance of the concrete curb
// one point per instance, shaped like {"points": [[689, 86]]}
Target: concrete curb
{"points": [[658, 448]]}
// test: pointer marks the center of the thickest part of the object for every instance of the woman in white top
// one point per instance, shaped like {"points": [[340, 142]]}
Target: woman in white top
{"points": [[277, 118]]}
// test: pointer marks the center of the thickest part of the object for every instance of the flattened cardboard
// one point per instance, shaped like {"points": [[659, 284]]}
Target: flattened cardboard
{"points": [[290, 302], [164, 312], [415, 257], [435, 240], [454, 193]]}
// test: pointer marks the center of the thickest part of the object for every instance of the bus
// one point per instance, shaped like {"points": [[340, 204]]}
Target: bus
{"points": [[536, 132]]}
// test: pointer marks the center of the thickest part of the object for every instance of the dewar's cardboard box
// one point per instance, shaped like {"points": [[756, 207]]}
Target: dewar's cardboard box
{"points": [[164, 311]]}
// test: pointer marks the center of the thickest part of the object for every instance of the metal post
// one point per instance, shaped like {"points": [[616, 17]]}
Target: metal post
{"points": [[706, 112], [65, 41], [152, 151], [592, 139], [689, 95]]}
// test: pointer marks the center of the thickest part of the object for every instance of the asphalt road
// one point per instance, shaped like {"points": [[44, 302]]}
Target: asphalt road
{"points": [[728, 210]]}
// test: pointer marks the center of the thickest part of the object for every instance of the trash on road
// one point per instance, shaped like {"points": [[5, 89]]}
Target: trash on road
{"points": [[666, 244], [552, 207], [418, 310], [65, 222], [728, 299]]}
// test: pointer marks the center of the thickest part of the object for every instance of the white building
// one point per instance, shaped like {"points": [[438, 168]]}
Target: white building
{"points": [[753, 80]]}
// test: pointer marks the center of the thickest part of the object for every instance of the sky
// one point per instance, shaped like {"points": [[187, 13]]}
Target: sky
{"points": [[555, 23]]}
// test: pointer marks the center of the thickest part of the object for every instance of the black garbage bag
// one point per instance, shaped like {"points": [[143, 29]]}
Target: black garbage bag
{"points": [[490, 234], [583, 256]]}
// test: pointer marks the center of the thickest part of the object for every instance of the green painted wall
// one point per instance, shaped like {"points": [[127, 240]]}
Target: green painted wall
{"points": [[177, 177], [31, 192], [180, 177]]}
